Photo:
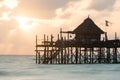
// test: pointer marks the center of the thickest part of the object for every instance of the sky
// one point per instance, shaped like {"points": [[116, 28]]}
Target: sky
{"points": [[22, 20]]}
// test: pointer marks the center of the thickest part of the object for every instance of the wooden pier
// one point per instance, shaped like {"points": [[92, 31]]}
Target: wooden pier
{"points": [[86, 47]]}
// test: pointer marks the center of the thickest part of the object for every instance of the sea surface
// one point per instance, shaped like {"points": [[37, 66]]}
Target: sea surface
{"points": [[24, 68]]}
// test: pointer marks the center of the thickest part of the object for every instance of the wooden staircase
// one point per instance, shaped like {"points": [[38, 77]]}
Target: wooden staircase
{"points": [[50, 58]]}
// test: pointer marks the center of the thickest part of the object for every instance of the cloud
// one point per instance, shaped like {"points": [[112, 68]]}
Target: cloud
{"points": [[73, 13], [80, 8], [10, 4], [6, 27], [38, 8], [99, 10], [48, 16], [6, 7], [102, 4]]}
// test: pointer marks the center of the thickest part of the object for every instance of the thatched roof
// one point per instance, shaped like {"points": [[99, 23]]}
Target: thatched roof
{"points": [[88, 27]]}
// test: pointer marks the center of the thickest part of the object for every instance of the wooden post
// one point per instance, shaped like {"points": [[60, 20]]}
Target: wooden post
{"points": [[68, 51], [51, 48], [61, 34], [36, 49], [90, 55], [85, 55], [115, 55], [36, 57], [65, 55], [106, 37], [80, 55], [100, 55], [61, 46], [58, 49], [47, 44], [115, 36], [62, 50], [71, 56], [44, 48], [76, 57], [108, 55], [39, 58], [68, 54]]}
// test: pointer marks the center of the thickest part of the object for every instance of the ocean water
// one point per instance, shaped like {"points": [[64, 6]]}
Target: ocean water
{"points": [[24, 68]]}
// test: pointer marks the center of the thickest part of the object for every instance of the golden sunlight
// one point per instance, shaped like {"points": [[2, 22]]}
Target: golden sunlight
{"points": [[5, 16], [24, 23], [11, 3]]}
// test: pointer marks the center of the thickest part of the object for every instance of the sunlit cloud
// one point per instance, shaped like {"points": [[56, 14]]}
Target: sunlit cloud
{"points": [[5, 16], [11, 4], [25, 23], [99, 10], [102, 4], [6, 7], [20, 21]]}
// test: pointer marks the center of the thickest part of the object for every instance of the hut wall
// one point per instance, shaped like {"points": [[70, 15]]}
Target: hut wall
{"points": [[87, 38]]}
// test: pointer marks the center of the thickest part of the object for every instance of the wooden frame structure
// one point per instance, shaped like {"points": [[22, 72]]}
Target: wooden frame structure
{"points": [[72, 51]]}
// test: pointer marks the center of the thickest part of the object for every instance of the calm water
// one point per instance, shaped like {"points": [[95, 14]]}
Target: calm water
{"points": [[24, 68]]}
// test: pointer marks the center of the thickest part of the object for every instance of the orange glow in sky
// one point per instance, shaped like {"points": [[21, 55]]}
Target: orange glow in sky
{"points": [[24, 23], [21, 20], [11, 3]]}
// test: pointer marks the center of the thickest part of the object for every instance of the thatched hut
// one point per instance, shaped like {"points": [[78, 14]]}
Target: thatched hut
{"points": [[88, 31]]}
